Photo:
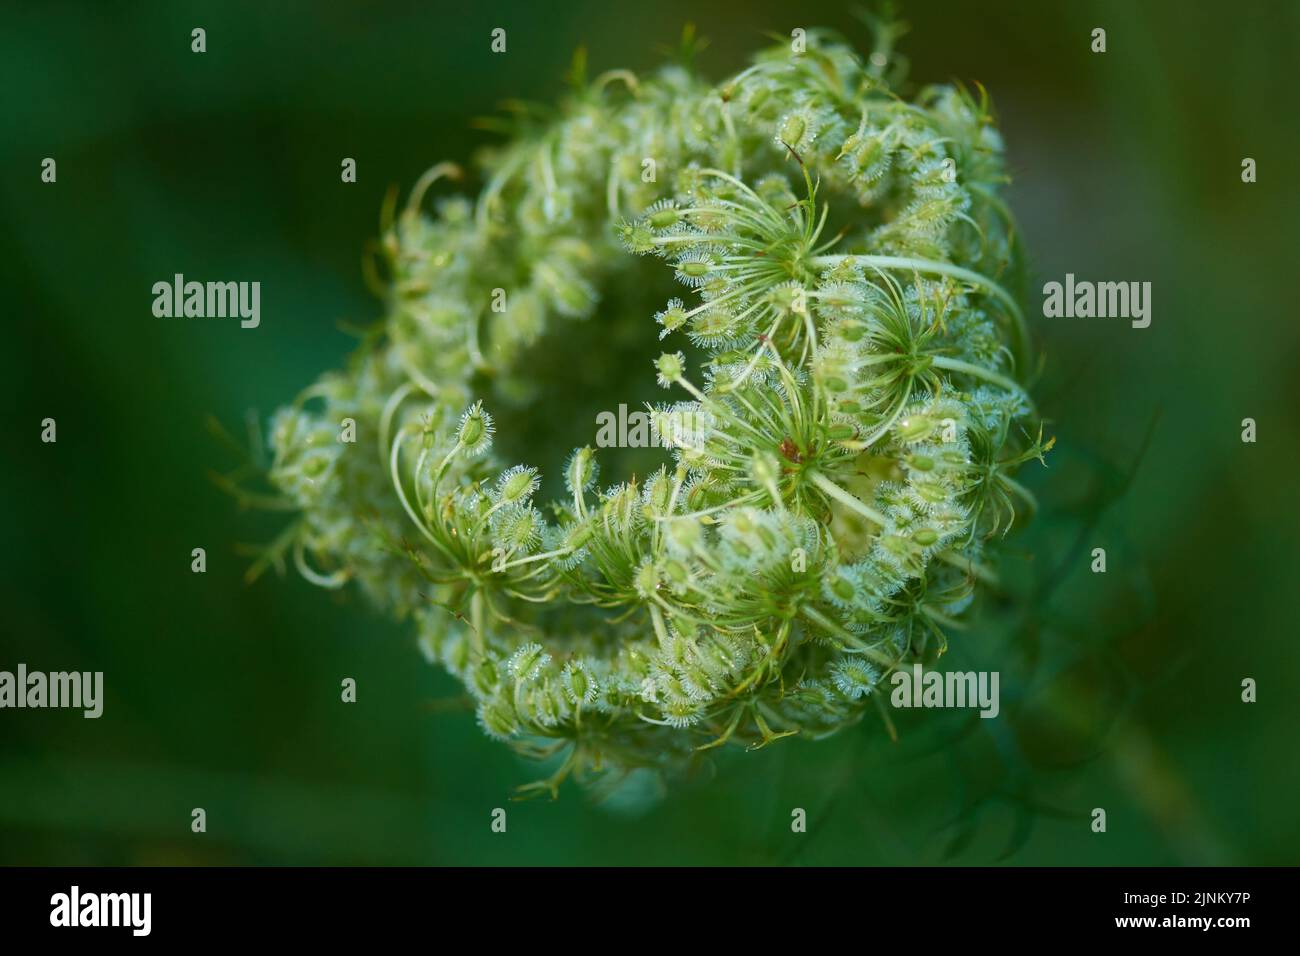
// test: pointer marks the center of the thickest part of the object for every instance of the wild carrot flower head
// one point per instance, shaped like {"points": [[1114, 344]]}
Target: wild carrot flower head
{"points": [[837, 454]]}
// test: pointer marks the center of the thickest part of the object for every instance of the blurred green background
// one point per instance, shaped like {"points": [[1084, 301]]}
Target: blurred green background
{"points": [[1120, 691]]}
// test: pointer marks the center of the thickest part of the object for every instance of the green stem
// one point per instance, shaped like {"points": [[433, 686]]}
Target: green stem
{"points": [[534, 557], [969, 368], [843, 497], [821, 620], [963, 563]]}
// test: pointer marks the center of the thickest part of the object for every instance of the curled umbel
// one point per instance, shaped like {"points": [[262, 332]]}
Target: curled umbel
{"points": [[838, 448]]}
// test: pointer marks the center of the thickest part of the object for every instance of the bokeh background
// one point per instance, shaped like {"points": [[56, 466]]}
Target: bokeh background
{"points": [[1120, 691]]}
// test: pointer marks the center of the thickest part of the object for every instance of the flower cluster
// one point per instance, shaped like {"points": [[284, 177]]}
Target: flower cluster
{"points": [[840, 445]]}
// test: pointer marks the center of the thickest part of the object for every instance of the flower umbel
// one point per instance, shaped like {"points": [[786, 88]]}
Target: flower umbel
{"points": [[837, 468]]}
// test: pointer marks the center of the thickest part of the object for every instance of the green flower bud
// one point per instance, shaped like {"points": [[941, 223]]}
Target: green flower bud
{"points": [[517, 483], [580, 472], [670, 368], [792, 129], [497, 718], [475, 433], [664, 218], [914, 428]]}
